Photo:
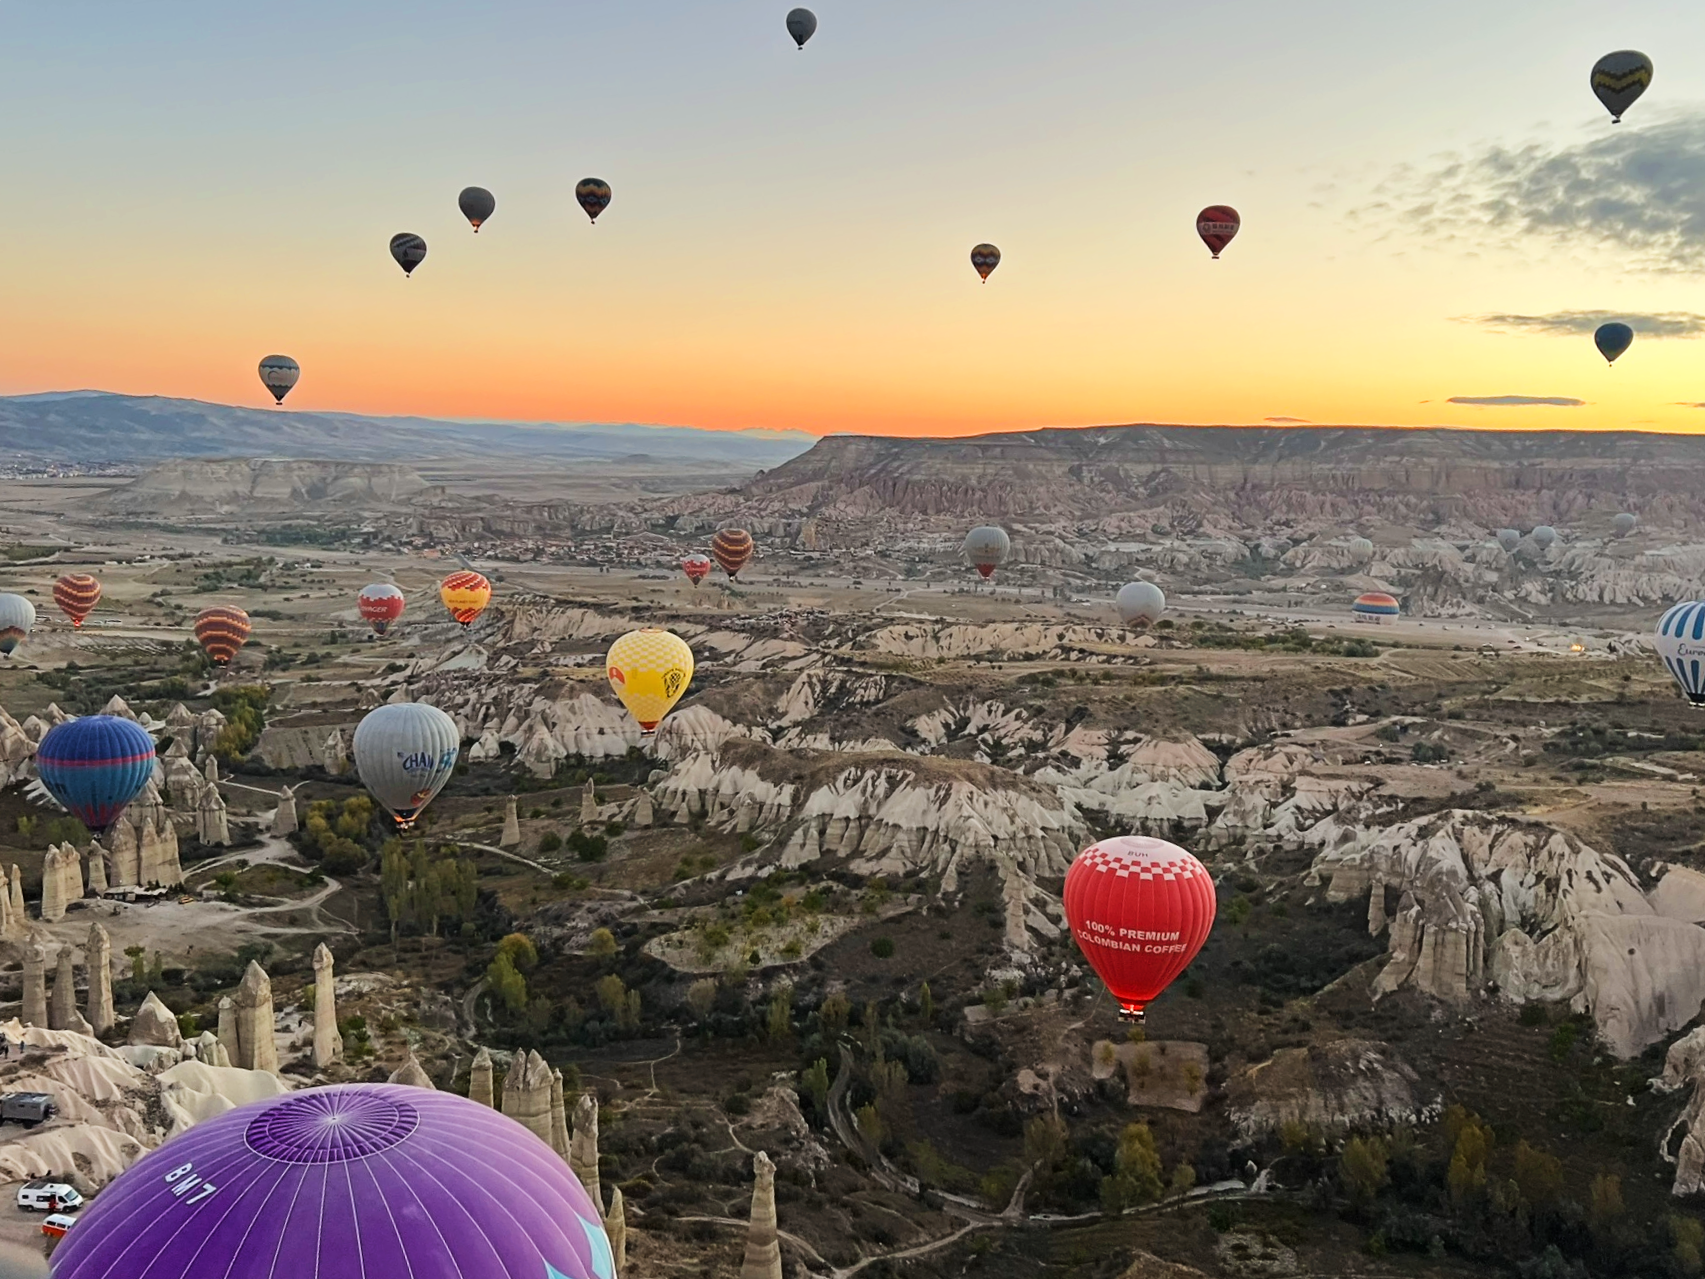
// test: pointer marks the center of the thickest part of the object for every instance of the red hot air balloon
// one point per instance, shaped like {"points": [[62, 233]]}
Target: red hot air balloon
{"points": [[732, 548], [1139, 909], [1217, 225], [697, 568], [77, 594], [221, 631], [380, 604]]}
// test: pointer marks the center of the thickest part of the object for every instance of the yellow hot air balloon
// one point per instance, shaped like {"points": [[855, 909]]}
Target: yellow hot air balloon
{"points": [[649, 670]]}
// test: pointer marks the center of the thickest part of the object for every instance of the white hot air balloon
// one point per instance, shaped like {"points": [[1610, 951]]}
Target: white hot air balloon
{"points": [[1544, 535], [17, 617], [1140, 603], [987, 547], [1509, 539], [1624, 523], [405, 753], [1681, 644], [1361, 550]]}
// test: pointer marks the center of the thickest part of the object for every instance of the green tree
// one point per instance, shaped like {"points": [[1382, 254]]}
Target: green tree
{"points": [[1363, 1168], [612, 992], [1136, 1177], [780, 1024], [1605, 1208], [1687, 1244], [521, 951], [507, 985], [602, 945], [926, 1003], [1538, 1176], [701, 997], [816, 1081], [1466, 1176], [1045, 1142], [138, 962], [834, 1014]]}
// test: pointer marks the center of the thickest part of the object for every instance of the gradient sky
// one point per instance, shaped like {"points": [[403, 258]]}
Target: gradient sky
{"points": [[192, 185]]}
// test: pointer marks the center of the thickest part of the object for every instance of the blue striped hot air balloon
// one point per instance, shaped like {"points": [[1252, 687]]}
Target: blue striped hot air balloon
{"points": [[1681, 644], [95, 766]]}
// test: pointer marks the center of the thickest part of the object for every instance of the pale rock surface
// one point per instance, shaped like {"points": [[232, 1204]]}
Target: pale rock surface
{"points": [[61, 881], [616, 1229], [1348, 1084], [98, 955], [284, 816], [412, 1075], [35, 984], [763, 1244], [256, 1047], [97, 870], [62, 1011], [583, 1146], [511, 825], [155, 1024], [195, 1091], [644, 815], [527, 1094], [228, 1025], [588, 804], [212, 823], [559, 1118], [480, 1081], [328, 1041], [208, 1050], [15, 899]]}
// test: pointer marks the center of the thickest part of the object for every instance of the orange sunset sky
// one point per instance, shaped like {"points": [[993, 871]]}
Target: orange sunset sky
{"points": [[1434, 207]]}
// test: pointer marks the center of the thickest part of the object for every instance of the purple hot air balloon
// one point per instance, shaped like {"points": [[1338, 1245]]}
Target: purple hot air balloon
{"points": [[348, 1182]]}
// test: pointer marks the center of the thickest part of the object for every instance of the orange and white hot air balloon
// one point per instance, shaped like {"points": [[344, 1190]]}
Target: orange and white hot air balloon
{"points": [[77, 594], [732, 548], [696, 567], [221, 631], [649, 670], [465, 595]]}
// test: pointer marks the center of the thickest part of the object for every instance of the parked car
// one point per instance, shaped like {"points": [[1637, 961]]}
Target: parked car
{"points": [[30, 1108], [48, 1196], [56, 1224]]}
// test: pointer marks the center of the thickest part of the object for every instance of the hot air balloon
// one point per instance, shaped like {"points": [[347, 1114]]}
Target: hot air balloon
{"points": [[222, 631], [1619, 79], [1612, 340], [1374, 606], [477, 204], [594, 196], [1509, 539], [1361, 549], [95, 765], [987, 547], [409, 250], [1544, 535], [1218, 225], [380, 604], [1681, 644], [697, 568], [985, 257], [1140, 603], [343, 1182], [405, 752], [1140, 910], [649, 670], [801, 25], [278, 373], [465, 594], [732, 548], [77, 594], [1624, 524], [17, 619]]}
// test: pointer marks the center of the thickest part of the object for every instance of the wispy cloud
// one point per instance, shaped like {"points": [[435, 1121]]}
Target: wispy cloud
{"points": [[1686, 405], [1516, 401], [1638, 191], [1651, 324], [1287, 421]]}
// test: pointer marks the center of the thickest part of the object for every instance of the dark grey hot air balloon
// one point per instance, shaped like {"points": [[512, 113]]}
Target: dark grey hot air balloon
{"points": [[1544, 536], [594, 196], [1624, 524], [1140, 603], [409, 250], [1619, 79], [477, 204], [985, 257], [278, 373], [987, 547], [1509, 539], [801, 25], [1612, 340]]}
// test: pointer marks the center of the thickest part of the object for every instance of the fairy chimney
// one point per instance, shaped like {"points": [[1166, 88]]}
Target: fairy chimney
{"points": [[256, 1049], [559, 1117], [328, 1043], [35, 984], [763, 1246], [616, 1230], [511, 826], [583, 1146], [527, 1094], [97, 870], [98, 955], [62, 1011], [284, 816], [411, 1074], [479, 1079]]}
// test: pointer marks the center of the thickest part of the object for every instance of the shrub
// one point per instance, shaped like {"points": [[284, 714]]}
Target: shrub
{"points": [[883, 948]]}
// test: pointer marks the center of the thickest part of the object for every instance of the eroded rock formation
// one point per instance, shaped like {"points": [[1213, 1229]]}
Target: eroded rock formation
{"points": [[256, 1048], [763, 1244], [328, 1042]]}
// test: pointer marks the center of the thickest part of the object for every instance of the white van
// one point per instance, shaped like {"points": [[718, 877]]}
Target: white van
{"points": [[48, 1196]]}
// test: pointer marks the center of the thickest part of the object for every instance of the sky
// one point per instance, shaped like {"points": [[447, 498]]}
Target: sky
{"points": [[1436, 210]]}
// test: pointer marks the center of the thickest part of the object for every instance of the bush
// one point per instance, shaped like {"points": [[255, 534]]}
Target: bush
{"points": [[550, 842], [883, 948], [588, 848]]}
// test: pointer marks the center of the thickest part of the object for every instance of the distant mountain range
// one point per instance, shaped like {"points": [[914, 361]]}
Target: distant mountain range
{"points": [[87, 427]]}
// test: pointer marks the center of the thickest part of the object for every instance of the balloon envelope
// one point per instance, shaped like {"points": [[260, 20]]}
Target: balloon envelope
{"points": [[1612, 340], [1509, 538], [278, 373], [1140, 910], [477, 204], [466, 595], [17, 619], [1218, 225], [222, 631], [405, 752], [1680, 641], [696, 567], [1624, 524], [801, 25], [1374, 606], [987, 547], [353, 1181], [1544, 535], [409, 250], [380, 604], [594, 196], [95, 765], [77, 594], [1619, 78], [732, 548], [1361, 548], [1140, 603], [985, 257], [649, 670]]}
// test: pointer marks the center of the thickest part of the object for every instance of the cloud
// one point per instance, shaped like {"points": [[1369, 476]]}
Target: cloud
{"points": [[1651, 324], [1685, 405], [1287, 421], [1516, 401], [1639, 191]]}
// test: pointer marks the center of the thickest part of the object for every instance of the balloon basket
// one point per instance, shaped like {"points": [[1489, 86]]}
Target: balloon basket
{"points": [[1133, 1016]]}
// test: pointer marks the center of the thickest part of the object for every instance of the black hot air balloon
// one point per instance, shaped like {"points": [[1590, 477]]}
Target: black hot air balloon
{"points": [[477, 204], [594, 196], [409, 250], [801, 25]]}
